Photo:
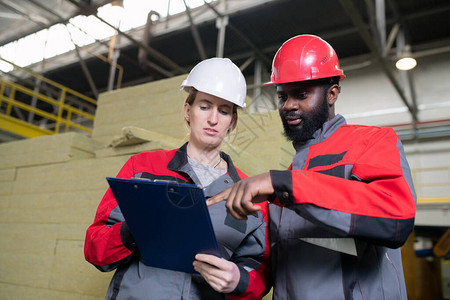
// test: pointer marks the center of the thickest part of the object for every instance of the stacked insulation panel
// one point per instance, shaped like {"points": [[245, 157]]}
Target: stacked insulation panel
{"points": [[51, 186]]}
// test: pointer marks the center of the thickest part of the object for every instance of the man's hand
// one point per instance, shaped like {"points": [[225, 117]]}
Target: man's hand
{"points": [[243, 194], [222, 275]]}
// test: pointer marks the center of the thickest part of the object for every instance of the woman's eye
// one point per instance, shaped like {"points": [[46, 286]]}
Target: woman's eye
{"points": [[224, 112], [203, 107]]}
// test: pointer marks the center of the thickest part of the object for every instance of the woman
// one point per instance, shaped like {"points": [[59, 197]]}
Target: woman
{"points": [[216, 88]]}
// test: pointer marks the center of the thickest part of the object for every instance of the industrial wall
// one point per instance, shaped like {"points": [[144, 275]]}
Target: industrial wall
{"points": [[50, 186]]}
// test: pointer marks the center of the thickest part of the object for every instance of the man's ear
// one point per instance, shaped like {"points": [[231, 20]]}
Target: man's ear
{"points": [[332, 94]]}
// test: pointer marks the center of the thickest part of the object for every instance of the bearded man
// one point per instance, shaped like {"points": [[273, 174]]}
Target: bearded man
{"points": [[345, 206]]}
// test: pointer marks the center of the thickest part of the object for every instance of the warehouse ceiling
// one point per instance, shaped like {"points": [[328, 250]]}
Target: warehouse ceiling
{"points": [[255, 30], [358, 30]]}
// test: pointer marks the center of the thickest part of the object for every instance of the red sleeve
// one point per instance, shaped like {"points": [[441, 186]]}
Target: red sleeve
{"points": [[259, 283], [377, 202], [103, 244]]}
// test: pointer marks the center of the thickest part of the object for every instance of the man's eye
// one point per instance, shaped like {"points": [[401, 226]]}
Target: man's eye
{"points": [[302, 95], [282, 98], [203, 107]]}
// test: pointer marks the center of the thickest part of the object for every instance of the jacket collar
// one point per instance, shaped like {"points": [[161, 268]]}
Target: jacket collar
{"points": [[320, 135], [179, 163]]}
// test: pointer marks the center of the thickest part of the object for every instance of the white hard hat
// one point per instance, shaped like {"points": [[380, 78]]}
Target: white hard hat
{"points": [[219, 77]]}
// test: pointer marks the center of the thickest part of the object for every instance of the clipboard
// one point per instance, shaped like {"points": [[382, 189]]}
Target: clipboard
{"points": [[169, 221]]}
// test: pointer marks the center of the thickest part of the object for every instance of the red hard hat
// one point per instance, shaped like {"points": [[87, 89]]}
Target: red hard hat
{"points": [[305, 57]]}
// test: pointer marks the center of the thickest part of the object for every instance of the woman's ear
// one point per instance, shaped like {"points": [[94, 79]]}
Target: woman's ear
{"points": [[187, 110], [233, 123]]}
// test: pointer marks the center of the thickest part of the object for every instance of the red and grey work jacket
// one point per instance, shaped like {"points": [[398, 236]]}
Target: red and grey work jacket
{"points": [[110, 246], [342, 211]]}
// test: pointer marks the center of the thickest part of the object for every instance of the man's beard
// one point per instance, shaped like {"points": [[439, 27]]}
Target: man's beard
{"points": [[310, 123]]}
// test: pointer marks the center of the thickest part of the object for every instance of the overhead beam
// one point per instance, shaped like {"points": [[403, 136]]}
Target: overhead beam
{"points": [[195, 34], [367, 38], [77, 49], [152, 52], [21, 13], [406, 76], [402, 33], [380, 17], [221, 25], [260, 54], [50, 24], [143, 60], [66, 21]]}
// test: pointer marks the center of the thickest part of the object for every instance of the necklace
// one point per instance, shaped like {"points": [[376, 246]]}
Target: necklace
{"points": [[220, 160]]}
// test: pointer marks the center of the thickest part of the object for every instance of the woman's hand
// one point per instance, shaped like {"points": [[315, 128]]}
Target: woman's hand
{"points": [[222, 275]]}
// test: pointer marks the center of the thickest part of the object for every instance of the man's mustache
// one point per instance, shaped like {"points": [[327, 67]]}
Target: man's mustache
{"points": [[291, 114]]}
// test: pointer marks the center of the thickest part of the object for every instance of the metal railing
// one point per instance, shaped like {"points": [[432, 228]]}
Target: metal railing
{"points": [[432, 184], [54, 113]]}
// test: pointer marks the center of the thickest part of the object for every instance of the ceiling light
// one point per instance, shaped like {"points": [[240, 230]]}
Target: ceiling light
{"points": [[406, 63], [117, 3]]}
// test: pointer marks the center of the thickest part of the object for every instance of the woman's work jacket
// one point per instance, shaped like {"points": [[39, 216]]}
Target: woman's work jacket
{"points": [[110, 246]]}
